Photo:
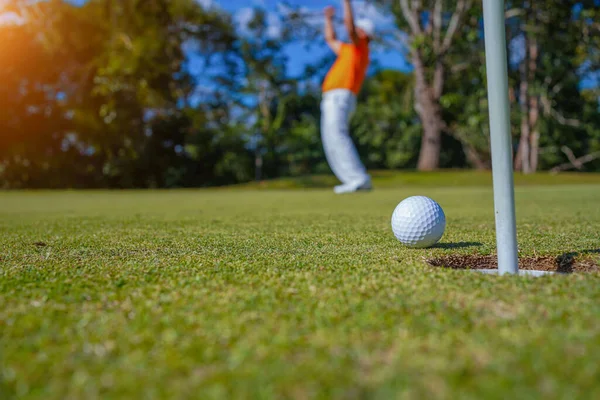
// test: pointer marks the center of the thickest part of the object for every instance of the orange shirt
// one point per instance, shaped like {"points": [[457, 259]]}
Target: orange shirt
{"points": [[350, 68]]}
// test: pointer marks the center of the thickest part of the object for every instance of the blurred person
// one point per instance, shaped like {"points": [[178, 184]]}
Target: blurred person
{"points": [[340, 89]]}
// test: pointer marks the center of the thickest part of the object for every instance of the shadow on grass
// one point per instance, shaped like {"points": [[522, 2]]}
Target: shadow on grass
{"points": [[564, 262], [595, 251], [457, 245]]}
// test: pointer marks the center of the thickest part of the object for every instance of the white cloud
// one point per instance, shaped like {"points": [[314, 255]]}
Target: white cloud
{"points": [[311, 17], [275, 28], [207, 3], [242, 19], [363, 9], [244, 16]]}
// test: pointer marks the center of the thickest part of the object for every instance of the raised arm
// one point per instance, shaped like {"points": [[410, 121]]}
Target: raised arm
{"points": [[330, 36], [349, 21]]}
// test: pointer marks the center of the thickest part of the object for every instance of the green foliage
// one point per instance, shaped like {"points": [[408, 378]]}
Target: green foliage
{"points": [[105, 94], [301, 135], [555, 29], [385, 124], [33, 124], [115, 96], [265, 90]]}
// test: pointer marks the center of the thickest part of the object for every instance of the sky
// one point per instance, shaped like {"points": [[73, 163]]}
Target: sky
{"points": [[297, 53]]}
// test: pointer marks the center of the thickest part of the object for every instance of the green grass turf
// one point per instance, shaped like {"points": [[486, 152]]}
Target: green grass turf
{"points": [[289, 294], [448, 178]]}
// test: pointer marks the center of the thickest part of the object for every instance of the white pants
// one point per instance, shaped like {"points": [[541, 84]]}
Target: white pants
{"points": [[337, 108]]}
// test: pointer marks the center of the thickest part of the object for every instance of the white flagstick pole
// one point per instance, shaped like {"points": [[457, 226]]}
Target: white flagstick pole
{"points": [[497, 83]]}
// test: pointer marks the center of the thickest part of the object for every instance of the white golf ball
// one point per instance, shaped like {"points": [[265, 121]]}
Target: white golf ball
{"points": [[418, 222]]}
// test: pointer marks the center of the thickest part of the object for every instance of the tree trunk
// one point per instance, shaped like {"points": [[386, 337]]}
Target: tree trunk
{"points": [[429, 156], [534, 147], [473, 156], [430, 114], [258, 163], [522, 158], [474, 159], [428, 94], [534, 150], [534, 109]]}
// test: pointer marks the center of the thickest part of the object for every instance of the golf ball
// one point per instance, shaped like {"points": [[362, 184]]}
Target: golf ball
{"points": [[418, 222]]}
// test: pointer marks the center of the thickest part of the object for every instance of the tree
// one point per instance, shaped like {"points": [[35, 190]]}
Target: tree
{"points": [[264, 91], [385, 124], [546, 50], [36, 129], [104, 91], [141, 78], [432, 27]]}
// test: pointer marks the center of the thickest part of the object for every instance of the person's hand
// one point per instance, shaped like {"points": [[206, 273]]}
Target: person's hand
{"points": [[329, 12]]}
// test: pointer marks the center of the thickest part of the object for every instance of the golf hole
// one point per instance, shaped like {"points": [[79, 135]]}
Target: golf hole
{"points": [[567, 263]]}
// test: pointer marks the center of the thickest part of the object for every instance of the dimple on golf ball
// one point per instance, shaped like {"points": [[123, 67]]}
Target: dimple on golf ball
{"points": [[418, 222]]}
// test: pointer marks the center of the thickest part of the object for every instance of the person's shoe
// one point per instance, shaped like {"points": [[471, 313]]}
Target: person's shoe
{"points": [[345, 188], [353, 187], [366, 186]]}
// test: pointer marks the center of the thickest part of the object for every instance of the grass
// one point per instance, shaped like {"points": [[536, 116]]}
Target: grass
{"points": [[289, 294], [449, 178]]}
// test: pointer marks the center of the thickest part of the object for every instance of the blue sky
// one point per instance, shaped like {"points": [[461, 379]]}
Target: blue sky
{"points": [[297, 52]]}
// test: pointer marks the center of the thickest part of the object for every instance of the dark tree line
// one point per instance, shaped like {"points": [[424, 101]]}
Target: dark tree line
{"points": [[166, 93]]}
